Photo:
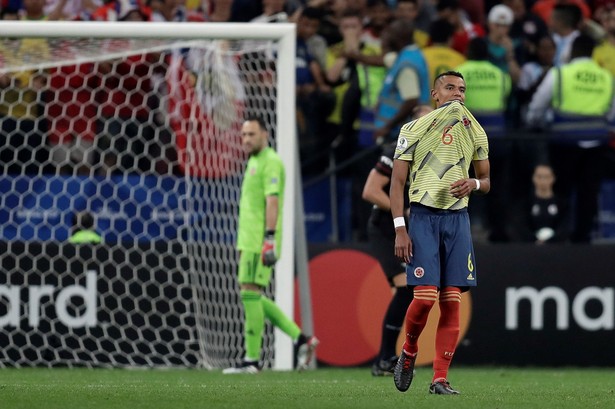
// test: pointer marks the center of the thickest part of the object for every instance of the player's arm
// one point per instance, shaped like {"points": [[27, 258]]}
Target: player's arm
{"points": [[403, 245], [374, 192], [271, 212], [481, 184], [268, 253], [482, 170]]}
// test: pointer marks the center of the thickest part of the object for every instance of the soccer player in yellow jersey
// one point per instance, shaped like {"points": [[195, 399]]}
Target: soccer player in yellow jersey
{"points": [[435, 152]]}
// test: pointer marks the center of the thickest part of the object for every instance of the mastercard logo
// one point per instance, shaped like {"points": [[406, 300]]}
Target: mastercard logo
{"points": [[350, 296]]}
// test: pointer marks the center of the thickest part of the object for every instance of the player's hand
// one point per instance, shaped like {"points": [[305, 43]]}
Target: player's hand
{"points": [[403, 245], [462, 188], [268, 255]]}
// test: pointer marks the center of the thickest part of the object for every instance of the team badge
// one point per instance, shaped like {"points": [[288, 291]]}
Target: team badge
{"points": [[431, 125], [419, 272]]}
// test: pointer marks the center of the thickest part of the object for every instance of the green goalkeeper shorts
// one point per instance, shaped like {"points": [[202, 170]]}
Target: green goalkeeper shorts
{"points": [[252, 270]]}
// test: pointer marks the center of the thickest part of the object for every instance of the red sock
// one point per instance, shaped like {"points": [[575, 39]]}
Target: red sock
{"points": [[447, 333], [417, 314]]}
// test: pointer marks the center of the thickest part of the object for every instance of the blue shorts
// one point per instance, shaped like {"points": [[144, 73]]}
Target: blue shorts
{"points": [[443, 254]]}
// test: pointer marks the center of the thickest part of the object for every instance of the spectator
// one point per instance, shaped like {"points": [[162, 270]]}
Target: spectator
{"points": [[71, 9], [601, 10], [604, 54], [9, 14], [123, 127], [220, 11], [363, 63], [500, 45], [465, 30], [580, 95], [314, 98], [564, 24], [475, 10], [122, 10], [273, 12], [84, 231], [71, 115], [355, 62], [426, 14], [172, 10], [330, 25], [408, 10], [527, 28], [440, 56], [246, 10], [378, 18], [533, 72], [487, 94], [545, 214], [21, 97], [544, 8], [406, 84]]}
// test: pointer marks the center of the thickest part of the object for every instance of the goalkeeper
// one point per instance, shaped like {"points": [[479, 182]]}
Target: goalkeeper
{"points": [[258, 241], [435, 153]]}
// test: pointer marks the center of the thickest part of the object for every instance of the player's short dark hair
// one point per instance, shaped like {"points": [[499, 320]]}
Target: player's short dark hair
{"points": [[440, 31], [257, 119], [453, 73]]}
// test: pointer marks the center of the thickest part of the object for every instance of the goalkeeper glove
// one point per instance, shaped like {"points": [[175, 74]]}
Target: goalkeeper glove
{"points": [[268, 255]]}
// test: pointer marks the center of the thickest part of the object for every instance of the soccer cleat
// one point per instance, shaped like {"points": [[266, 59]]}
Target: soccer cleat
{"points": [[384, 367], [245, 367], [304, 351], [404, 371], [442, 388]]}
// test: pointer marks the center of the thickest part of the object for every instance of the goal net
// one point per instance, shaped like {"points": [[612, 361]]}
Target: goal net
{"points": [[107, 128]]}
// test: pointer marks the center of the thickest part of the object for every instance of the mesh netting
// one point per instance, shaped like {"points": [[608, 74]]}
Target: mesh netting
{"points": [[141, 139]]}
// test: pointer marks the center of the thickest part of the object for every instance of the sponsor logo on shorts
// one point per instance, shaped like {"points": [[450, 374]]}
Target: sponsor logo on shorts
{"points": [[419, 272]]}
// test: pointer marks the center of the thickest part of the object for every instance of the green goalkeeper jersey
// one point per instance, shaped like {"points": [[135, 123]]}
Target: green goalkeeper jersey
{"points": [[441, 147], [264, 176]]}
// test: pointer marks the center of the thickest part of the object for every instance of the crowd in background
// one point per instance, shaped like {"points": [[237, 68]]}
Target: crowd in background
{"points": [[354, 92]]}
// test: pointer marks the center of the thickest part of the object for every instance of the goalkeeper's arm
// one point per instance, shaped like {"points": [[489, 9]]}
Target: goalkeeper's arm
{"points": [[268, 253]]}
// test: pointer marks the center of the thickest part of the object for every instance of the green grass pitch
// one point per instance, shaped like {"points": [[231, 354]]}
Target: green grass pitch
{"points": [[489, 388]]}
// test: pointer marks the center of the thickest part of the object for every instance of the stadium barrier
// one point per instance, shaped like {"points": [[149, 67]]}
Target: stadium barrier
{"points": [[87, 305], [550, 305]]}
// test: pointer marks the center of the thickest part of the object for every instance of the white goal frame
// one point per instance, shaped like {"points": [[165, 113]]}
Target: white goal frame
{"points": [[284, 34]]}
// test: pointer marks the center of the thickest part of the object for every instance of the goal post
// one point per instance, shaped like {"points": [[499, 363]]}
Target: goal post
{"points": [[201, 242]]}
